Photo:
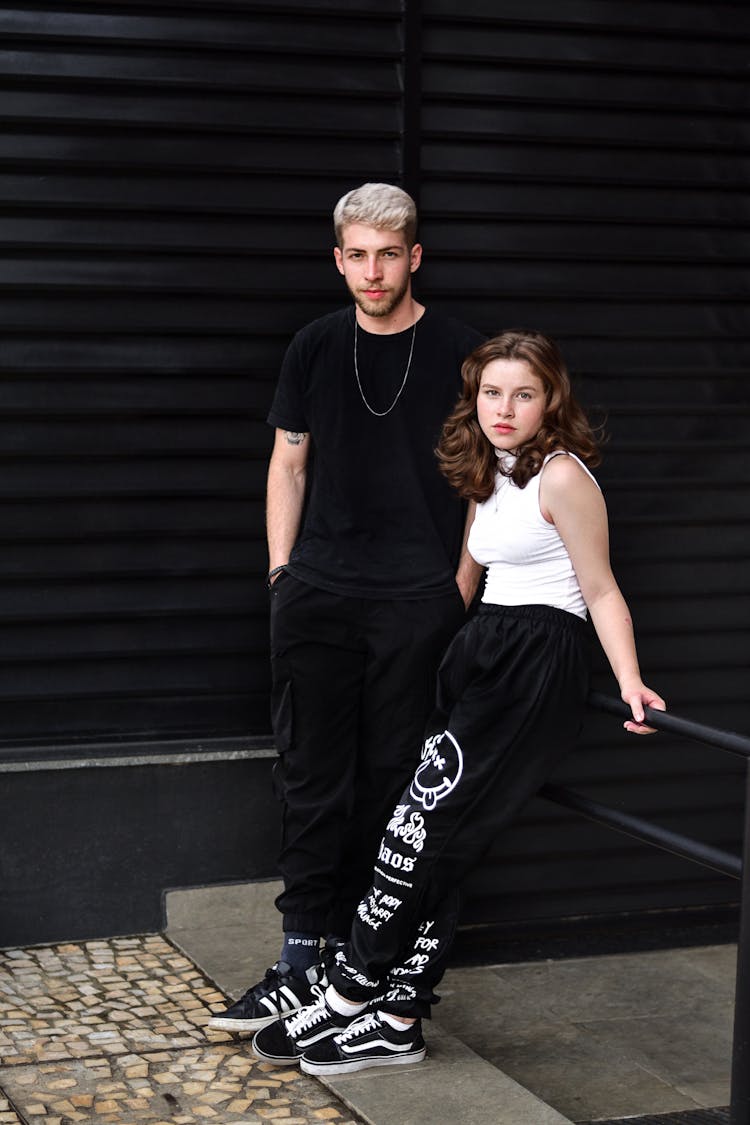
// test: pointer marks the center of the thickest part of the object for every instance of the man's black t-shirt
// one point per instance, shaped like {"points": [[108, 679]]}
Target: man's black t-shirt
{"points": [[380, 519]]}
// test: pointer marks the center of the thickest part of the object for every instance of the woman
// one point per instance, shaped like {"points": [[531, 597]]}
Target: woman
{"points": [[511, 694]]}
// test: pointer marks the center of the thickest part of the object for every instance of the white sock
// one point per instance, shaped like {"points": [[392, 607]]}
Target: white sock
{"points": [[341, 1006], [392, 1021]]}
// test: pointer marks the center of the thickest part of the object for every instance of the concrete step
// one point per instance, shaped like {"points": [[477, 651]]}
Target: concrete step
{"points": [[453, 1084], [232, 934], [599, 1038]]}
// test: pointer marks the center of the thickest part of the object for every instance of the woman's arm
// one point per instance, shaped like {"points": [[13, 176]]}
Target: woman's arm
{"points": [[469, 572], [570, 499]]}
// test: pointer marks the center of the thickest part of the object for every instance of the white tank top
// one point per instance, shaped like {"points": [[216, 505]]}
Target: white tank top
{"points": [[526, 558]]}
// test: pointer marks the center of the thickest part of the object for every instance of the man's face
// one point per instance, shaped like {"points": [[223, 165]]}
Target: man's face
{"points": [[377, 266]]}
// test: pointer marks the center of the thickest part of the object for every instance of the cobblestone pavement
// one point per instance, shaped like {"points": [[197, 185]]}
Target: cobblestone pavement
{"points": [[114, 1032]]}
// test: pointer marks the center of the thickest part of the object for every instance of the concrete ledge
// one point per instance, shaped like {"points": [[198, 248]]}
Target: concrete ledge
{"points": [[233, 933], [453, 1084], [600, 1038]]}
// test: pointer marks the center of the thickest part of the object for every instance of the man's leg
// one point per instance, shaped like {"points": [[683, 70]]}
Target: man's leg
{"points": [[405, 642], [318, 669], [316, 672]]}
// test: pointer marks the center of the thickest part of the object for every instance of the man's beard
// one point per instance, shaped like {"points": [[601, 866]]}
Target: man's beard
{"points": [[383, 307]]}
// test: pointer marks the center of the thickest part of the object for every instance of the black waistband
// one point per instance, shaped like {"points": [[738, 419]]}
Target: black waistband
{"points": [[547, 613]]}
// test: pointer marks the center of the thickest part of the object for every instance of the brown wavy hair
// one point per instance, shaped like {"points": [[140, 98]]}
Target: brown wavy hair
{"points": [[467, 458]]}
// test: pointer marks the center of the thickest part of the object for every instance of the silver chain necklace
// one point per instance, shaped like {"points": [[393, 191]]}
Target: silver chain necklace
{"points": [[382, 413]]}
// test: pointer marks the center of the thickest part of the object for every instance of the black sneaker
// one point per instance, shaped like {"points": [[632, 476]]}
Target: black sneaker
{"points": [[284, 1041], [368, 1041], [278, 994]]}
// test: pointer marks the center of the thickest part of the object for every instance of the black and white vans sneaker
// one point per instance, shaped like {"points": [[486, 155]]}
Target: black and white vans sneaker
{"points": [[278, 994], [368, 1041], [284, 1041]]}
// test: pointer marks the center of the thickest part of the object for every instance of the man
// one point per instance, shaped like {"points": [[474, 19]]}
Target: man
{"points": [[368, 573]]}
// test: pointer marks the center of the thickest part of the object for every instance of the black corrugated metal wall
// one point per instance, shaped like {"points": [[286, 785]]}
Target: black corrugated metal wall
{"points": [[584, 171], [167, 175]]}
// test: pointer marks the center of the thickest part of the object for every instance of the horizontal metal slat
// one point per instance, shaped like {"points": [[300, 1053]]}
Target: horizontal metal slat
{"points": [[649, 17], [197, 69], [586, 47], [262, 29], [584, 85], [247, 114]]}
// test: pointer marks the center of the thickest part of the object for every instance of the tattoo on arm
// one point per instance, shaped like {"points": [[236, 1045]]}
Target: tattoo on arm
{"points": [[294, 439]]}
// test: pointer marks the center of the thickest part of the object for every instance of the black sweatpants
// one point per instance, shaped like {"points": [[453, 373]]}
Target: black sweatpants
{"points": [[353, 685], [512, 690]]}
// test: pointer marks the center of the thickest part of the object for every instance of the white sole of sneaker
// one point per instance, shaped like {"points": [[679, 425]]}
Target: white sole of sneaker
{"points": [[275, 1060], [345, 1066], [222, 1023]]}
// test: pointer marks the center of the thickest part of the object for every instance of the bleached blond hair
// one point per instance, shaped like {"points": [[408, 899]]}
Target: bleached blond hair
{"points": [[383, 206]]}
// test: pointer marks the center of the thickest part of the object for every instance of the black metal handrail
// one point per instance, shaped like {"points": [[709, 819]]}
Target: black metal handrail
{"points": [[697, 852], [645, 830], [675, 724]]}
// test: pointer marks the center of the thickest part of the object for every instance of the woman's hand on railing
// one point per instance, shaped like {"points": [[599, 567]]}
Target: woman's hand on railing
{"points": [[637, 696]]}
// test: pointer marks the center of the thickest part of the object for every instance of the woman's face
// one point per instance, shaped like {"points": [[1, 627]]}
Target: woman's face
{"points": [[510, 403]]}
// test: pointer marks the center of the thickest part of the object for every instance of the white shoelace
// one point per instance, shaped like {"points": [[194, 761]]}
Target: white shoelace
{"points": [[368, 1022], [306, 1018]]}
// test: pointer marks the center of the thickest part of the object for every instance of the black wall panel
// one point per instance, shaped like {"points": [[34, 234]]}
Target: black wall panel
{"points": [[122, 835], [167, 173], [584, 171]]}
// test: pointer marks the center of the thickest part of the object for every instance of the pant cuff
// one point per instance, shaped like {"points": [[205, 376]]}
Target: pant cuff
{"points": [[304, 924], [409, 1009]]}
